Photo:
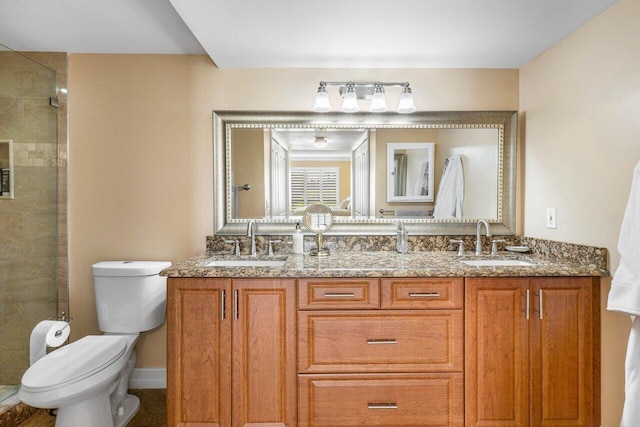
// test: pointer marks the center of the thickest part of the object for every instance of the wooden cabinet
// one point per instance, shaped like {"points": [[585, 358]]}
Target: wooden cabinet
{"points": [[333, 352], [532, 351], [380, 353], [198, 356], [231, 352]]}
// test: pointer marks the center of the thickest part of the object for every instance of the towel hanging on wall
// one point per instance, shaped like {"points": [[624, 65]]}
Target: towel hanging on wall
{"points": [[422, 184], [450, 195], [624, 297]]}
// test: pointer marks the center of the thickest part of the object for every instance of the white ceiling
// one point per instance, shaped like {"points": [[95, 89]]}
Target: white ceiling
{"points": [[339, 143], [302, 33]]}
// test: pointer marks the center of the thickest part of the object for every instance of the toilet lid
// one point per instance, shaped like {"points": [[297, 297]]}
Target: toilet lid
{"points": [[74, 362]]}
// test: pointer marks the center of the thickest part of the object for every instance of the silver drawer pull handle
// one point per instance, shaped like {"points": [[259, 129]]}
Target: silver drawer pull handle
{"points": [[424, 294], [385, 341], [340, 295], [382, 405]]}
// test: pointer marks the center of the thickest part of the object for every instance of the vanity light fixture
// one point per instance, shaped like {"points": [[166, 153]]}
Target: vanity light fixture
{"points": [[353, 91]]}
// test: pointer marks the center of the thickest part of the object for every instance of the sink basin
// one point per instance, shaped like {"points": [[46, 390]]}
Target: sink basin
{"points": [[245, 263], [498, 263]]}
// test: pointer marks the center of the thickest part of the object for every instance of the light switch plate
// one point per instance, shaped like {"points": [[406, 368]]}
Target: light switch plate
{"points": [[552, 218]]}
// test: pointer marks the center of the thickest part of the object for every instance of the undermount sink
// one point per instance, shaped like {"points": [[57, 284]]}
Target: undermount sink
{"points": [[245, 263], [498, 263]]}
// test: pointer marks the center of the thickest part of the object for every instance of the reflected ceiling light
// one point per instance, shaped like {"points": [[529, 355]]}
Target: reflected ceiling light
{"points": [[353, 91], [320, 141]]}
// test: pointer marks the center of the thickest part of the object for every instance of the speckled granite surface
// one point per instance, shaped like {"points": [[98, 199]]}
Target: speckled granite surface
{"points": [[385, 264], [218, 244]]}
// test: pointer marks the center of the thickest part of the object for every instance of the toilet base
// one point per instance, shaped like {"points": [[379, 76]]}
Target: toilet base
{"points": [[129, 408], [94, 411]]}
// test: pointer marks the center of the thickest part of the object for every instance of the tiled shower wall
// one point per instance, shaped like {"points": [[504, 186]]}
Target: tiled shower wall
{"points": [[29, 225]]}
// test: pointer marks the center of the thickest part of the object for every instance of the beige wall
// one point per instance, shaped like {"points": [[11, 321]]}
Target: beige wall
{"points": [[581, 102], [478, 150], [248, 158], [140, 167], [385, 136]]}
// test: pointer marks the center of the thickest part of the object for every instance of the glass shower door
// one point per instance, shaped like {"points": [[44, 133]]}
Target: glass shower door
{"points": [[29, 213]]}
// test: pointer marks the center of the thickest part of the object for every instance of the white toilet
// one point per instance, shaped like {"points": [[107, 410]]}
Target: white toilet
{"points": [[87, 380]]}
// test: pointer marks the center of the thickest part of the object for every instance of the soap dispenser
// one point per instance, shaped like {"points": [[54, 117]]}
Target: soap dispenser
{"points": [[298, 240], [402, 243]]}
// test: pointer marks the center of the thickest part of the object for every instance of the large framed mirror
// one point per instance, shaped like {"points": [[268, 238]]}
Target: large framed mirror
{"points": [[270, 166]]}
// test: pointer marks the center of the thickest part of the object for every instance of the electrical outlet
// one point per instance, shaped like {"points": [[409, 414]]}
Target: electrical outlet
{"points": [[551, 218]]}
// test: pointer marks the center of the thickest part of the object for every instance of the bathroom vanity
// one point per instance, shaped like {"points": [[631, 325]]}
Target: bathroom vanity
{"points": [[384, 339]]}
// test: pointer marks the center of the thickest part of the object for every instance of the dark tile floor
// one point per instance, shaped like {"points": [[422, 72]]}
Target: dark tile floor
{"points": [[152, 413]]}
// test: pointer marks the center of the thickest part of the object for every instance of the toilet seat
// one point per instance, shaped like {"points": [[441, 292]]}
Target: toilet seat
{"points": [[74, 362]]}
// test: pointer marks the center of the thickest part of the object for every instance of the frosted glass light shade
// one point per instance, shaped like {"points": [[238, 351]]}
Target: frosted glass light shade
{"points": [[350, 103], [322, 104], [406, 105], [378, 103]]}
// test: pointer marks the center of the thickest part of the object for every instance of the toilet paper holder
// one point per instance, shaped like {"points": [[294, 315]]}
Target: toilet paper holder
{"points": [[63, 317]]}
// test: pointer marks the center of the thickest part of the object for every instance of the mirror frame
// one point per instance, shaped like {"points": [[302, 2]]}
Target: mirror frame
{"points": [[504, 121]]}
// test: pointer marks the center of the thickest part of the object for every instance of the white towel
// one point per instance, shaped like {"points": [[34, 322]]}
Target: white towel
{"points": [[451, 190], [625, 297], [422, 184], [625, 286], [631, 410]]}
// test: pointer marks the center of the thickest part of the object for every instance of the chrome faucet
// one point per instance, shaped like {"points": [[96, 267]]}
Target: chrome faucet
{"points": [[478, 237], [251, 232]]}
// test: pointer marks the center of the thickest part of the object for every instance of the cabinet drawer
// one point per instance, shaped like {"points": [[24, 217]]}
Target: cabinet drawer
{"points": [[380, 400], [380, 341], [434, 293], [328, 294]]}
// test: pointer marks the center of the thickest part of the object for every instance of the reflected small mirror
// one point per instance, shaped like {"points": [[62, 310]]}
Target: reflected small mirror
{"points": [[318, 219], [6, 168], [410, 172]]}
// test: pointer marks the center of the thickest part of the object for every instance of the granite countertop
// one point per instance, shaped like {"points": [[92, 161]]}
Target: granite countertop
{"points": [[384, 264]]}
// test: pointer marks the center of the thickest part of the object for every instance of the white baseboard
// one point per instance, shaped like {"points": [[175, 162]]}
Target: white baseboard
{"points": [[148, 378]]}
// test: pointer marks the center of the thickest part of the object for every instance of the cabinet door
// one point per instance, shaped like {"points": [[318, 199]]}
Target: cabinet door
{"points": [[562, 352], [264, 363], [496, 352], [199, 353]]}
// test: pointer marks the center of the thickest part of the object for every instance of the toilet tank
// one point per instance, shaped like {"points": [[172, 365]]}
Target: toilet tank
{"points": [[131, 297]]}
